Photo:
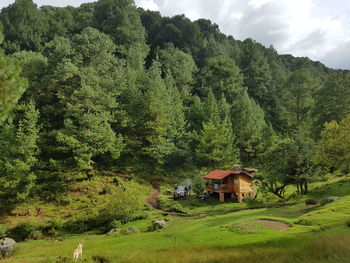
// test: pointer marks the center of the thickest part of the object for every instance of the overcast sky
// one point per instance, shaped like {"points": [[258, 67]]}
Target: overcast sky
{"points": [[319, 29]]}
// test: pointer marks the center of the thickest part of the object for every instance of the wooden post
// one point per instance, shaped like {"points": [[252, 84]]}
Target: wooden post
{"points": [[239, 197], [222, 197]]}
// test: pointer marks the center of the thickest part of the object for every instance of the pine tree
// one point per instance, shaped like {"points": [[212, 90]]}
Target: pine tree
{"points": [[12, 85], [216, 143], [19, 151]]}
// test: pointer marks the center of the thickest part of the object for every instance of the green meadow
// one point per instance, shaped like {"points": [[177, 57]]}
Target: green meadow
{"points": [[208, 231]]}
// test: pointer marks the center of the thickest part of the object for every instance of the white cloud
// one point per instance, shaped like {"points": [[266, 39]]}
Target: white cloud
{"points": [[319, 29]]}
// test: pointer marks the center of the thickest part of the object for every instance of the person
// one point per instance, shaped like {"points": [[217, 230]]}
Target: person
{"points": [[186, 192]]}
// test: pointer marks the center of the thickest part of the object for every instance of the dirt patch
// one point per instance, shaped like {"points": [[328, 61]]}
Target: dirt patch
{"points": [[274, 225], [246, 227], [153, 199]]}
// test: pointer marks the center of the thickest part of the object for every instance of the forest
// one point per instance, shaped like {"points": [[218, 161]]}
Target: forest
{"points": [[108, 86]]}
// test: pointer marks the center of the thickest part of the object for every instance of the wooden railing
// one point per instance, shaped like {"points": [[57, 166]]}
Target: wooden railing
{"points": [[219, 187]]}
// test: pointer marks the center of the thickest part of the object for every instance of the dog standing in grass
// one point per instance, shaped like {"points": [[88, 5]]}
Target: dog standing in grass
{"points": [[78, 252]]}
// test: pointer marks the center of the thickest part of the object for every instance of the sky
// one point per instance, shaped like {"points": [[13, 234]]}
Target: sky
{"points": [[318, 29]]}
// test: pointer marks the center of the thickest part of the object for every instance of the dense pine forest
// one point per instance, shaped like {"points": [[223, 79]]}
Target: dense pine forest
{"points": [[111, 87]]}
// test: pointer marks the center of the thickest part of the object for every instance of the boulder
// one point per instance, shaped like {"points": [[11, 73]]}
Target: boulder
{"points": [[113, 230], [159, 224], [132, 230], [332, 198], [7, 245]]}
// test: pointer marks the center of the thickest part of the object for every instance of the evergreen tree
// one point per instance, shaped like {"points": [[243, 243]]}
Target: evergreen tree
{"points": [[332, 100], [121, 21], [216, 142], [12, 85], [25, 27], [90, 101], [298, 100], [19, 152]]}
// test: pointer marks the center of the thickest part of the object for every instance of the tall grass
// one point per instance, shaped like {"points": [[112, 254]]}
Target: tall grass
{"points": [[333, 249]]}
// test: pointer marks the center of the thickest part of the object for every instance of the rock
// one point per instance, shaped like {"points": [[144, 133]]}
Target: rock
{"points": [[113, 230], [132, 230], [332, 198], [7, 245], [159, 224]]}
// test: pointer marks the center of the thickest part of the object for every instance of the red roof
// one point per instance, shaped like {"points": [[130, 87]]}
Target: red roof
{"points": [[220, 174]]}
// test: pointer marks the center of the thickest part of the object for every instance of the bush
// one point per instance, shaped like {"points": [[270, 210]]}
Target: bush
{"points": [[23, 231], [126, 202], [52, 227], [348, 223], [3, 231], [35, 235], [115, 224], [304, 222], [100, 259], [198, 184]]}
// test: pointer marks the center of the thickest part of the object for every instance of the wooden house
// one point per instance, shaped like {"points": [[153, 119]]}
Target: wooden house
{"points": [[234, 184]]}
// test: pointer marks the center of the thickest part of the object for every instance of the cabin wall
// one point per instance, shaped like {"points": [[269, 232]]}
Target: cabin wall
{"points": [[235, 183], [229, 183], [245, 184]]}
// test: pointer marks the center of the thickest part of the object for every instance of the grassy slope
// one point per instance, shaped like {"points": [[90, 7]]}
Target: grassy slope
{"points": [[213, 234]]}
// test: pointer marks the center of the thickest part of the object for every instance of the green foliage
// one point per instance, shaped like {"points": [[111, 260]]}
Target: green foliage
{"points": [[3, 231], [19, 156], [121, 21], [288, 161], [100, 259], [12, 85], [24, 231], [333, 147], [126, 202], [332, 100], [198, 184], [25, 27], [188, 99], [299, 101], [216, 142]]}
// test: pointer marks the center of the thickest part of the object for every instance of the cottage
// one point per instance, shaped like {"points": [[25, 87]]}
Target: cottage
{"points": [[235, 183]]}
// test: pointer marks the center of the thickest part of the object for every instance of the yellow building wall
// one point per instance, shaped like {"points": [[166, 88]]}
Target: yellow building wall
{"points": [[245, 183]]}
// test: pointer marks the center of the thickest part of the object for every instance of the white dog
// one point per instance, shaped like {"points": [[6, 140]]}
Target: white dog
{"points": [[78, 252]]}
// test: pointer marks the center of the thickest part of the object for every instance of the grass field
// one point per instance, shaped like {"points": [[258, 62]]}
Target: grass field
{"points": [[214, 232]]}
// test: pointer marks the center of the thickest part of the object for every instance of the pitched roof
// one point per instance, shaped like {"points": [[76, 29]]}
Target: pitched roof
{"points": [[220, 174], [251, 170]]}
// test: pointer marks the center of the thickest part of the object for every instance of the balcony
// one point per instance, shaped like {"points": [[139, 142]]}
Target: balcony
{"points": [[218, 187]]}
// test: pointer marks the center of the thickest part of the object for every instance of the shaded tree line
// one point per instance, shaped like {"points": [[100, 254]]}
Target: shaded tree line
{"points": [[111, 86]]}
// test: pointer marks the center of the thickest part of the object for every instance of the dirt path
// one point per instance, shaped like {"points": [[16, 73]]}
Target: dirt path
{"points": [[153, 199], [154, 202]]}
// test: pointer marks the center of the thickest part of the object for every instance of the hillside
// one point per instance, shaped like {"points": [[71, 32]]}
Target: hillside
{"points": [[213, 232]]}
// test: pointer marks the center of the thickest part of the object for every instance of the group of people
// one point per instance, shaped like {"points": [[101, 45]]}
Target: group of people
{"points": [[181, 192]]}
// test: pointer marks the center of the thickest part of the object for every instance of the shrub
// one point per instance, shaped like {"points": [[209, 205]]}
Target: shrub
{"points": [[348, 223], [115, 224], [52, 227], [198, 184], [304, 222], [23, 231], [126, 202], [100, 259], [35, 234], [3, 231]]}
